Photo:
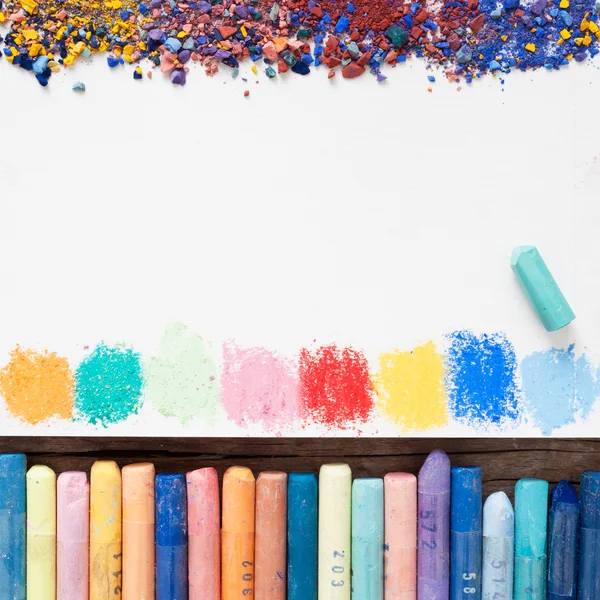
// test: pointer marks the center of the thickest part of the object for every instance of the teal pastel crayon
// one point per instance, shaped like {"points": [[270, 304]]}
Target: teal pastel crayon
{"points": [[541, 288], [563, 533], [465, 533], [13, 469], [302, 534], [531, 515], [367, 539], [589, 532]]}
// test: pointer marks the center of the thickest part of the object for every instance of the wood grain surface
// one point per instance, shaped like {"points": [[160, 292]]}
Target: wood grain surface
{"points": [[503, 460]]}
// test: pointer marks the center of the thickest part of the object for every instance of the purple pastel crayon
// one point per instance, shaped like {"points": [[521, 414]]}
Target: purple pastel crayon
{"points": [[433, 580]]}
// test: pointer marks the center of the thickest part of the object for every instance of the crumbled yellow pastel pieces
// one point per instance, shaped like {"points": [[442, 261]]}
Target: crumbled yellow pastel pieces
{"points": [[564, 34], [530, 47], [564, 4], [593, 27]]}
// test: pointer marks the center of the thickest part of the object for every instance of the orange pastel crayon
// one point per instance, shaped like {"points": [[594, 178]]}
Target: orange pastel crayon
{"points": [[237, 537], [138, 531], [271, 533], [204, 535]]}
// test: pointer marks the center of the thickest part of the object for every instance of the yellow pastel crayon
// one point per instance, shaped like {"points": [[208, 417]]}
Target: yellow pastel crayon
{"points": [[105, 531], [41, 533]]}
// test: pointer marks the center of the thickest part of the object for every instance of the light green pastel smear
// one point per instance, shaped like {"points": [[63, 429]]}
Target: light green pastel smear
{"points": [[181, 380]]}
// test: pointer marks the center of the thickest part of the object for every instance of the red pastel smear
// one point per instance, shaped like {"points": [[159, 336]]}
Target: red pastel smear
{"points": [[335, 387]]}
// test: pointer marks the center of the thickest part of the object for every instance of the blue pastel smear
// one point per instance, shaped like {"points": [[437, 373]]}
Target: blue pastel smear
{"points": [[481, 379], [558, 387]]}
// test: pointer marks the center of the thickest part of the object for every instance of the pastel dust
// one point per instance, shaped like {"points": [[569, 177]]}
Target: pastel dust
{"points": [[258, 386], [558, 387], [108, 385], [410, 388], [335, 386], [181, 378], [481, 380], [37, 386]]}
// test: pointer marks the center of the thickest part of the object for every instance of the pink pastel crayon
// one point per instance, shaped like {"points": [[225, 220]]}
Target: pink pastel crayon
{"points": [[204, 535], [72, 536], [400, 490]]}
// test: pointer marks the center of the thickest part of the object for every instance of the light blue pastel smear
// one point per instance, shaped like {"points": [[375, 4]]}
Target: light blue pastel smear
{"points": [[108, 385], [481, 379], [558, 387]]}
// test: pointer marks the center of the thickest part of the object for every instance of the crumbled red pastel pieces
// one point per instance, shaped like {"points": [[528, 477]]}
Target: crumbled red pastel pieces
{"points": [[467, 38]]}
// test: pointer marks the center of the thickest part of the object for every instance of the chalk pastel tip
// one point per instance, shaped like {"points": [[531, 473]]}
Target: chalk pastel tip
{"points": [[498, 516], [434, 475], [368, 483], [530, 485], [105, 470], [271, 477], [202, 477], [400, 480], [565, 493], [241, 475], [335, 470], [73, 484], [518, 251], [41, 474], [11, 462], [303, 479]]}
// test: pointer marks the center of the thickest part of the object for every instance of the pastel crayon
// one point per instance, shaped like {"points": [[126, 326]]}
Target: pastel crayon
{"points": [[171, 537], [138, 531], [302, 532], [237, 534], [204, 534], [105, 531], [589, 532], [498, 548], [400, 491], [72, 536], [433, 498], [270, 537], [540, 288], [367, 538], [335, 498], [465, 533], [41, 533], [563, 533], [13, 469], [531, 515]]}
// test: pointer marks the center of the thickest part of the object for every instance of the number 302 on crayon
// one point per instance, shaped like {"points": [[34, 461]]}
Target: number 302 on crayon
{"points": [[247, 577]]}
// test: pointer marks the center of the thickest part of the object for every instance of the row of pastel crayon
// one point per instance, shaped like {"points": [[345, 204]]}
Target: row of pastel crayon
{"points": [[138, 536]]}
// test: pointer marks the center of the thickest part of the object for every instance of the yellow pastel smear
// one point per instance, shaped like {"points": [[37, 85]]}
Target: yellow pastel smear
{"points": [[37, 385], [410, 387]]}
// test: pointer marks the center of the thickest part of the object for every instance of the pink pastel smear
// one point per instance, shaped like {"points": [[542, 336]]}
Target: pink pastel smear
{"points": [[258, 386]]}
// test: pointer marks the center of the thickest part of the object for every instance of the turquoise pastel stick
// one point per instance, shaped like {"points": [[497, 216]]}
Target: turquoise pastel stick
{"points": [[541, 288], [531, 519], [367, 539]]}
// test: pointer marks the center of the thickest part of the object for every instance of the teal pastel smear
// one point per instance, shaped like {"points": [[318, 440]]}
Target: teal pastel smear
{"points": [[108, 385], [558, 387]]}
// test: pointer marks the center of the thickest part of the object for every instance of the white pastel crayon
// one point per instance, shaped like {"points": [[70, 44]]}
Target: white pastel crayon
{"points": [[335, 501], [498, 548]]}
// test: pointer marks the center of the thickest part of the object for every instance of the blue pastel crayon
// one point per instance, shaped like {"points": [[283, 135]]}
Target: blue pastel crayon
{"points": [[367, 539], [531, 525], [171, 537], [465, 533], [563, 535], [302, 536], [13, 468], [589, 544]]}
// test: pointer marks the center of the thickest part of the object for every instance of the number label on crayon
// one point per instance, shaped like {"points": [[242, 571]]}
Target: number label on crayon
{"points": [[338, 569], [246, 577], [432, 545], [469, 577]]}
